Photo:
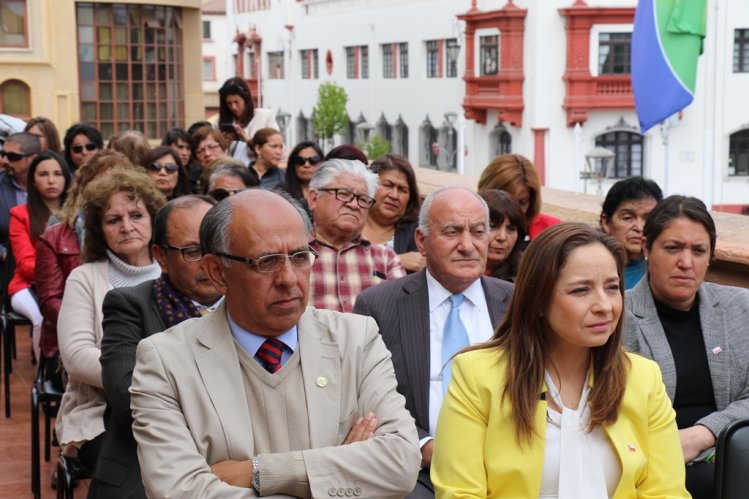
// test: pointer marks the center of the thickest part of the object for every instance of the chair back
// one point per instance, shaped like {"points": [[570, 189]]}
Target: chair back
{"points": [[732, 461]]}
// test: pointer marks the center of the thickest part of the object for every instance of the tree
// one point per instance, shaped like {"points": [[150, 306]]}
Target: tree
{"points": [[376, 148], [329, 115]]}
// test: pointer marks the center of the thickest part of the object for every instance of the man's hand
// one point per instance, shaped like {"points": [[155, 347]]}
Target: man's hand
{"points": [[694, 440], [362, 429], [426, 454], [412, 261], [236, 473]]}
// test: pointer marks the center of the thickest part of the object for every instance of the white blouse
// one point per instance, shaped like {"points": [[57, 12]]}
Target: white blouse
{"points": [[577, 463]]}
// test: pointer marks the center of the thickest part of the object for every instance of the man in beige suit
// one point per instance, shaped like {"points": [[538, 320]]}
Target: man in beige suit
{"points": [[265, 397]]}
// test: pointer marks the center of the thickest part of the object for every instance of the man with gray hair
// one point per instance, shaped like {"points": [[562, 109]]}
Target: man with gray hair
{"points": [[264, 396], [340, 196], [426, 317], [16, 156]]}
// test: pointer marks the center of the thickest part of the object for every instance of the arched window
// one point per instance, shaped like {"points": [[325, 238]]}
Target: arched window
{"points": [[628, 148], [399, 144], [15, 99], [738, 153], [428, 146], [500, 141], [383, 128], [304, 129], [447, 139]]}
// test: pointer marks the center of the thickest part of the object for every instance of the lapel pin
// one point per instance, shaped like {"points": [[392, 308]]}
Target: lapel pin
{"points": [[631, 448], [716, 350], [321, 382]]}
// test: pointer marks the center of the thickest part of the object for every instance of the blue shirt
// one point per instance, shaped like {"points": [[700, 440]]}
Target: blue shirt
{"points": [[251, 342], [633, 272]]}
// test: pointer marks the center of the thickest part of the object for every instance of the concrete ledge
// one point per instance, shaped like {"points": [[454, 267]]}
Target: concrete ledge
{"points": [[731, 263]]}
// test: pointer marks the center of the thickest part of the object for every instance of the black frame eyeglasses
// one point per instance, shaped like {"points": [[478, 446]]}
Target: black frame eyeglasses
{"points": [[275, 262], [190, 253], [346, 196], [78, 148], [14, 156]]}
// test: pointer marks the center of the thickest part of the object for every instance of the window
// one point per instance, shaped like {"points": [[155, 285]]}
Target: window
{"points": [[399, 142], [500, 141], [628, 148], [428, 145], [251, 66], [433, 57], [451, 57], [489, 55], [357, 62], [383, 128], [304, 129], [130, 67], [738, 153], [403, 59], [206, 30], [741, 51], [209, 68], [15, 99], [275, 65], [13, 23], [613, 53], [388, 69], [310, 66]]}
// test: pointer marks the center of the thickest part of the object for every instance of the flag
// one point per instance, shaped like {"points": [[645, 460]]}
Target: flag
{"points": [[666, 43]]}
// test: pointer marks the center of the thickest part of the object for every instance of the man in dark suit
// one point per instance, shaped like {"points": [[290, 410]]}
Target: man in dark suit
{"points": [[131, 314], [415, 313]]}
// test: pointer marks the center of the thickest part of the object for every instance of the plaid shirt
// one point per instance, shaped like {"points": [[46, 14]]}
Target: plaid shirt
{"points": [[338, 276]]}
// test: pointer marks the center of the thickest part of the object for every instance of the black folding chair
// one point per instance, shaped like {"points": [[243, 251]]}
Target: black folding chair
{"points": [[69, 471], [732, 461], [44, 394], [10, 320]]}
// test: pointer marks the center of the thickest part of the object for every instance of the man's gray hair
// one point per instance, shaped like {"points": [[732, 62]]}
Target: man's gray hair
{"points": [[427, 204], [214, 229], [329, 170], [27, 142]]}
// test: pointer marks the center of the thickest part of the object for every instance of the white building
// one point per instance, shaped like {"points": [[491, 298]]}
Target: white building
{"points": [[544, 78], [217, 63]]}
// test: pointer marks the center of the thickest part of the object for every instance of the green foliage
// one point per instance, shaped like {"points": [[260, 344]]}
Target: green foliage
{"points": [[329, 115], [376, 148]]}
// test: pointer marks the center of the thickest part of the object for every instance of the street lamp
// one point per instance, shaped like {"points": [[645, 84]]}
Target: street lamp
{"points": [[283, 118], [364, 130], [598, 160]]}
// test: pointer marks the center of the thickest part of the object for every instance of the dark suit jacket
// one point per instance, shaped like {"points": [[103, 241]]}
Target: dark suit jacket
{"points": [[130, 314], [7, 201], [401, 310]]}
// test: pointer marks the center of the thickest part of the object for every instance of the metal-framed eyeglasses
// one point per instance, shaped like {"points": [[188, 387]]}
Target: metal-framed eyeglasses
{"points": [[275, 262], [346, 196], [189, 253]]}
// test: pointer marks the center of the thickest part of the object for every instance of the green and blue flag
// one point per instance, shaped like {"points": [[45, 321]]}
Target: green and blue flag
{"points": [[666, 43]]}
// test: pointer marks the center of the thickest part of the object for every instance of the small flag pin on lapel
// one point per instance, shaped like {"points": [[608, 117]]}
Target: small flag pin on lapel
{"points": [[717, 350], [631, 448]]}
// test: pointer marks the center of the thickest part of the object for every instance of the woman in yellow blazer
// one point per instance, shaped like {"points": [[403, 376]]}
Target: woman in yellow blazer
{"points": [[506, 430]]}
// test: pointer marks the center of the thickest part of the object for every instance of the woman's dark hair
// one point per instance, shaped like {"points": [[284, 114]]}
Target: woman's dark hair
{"points": [[183, 182], [197, 125], [347, 151], [293, 186], [674, 207], [49, 130], [521, 337], [137, 185], [503, 207], [262, 136], [235, 86], [38, 211], [80, 129], [629, 189], [395, 162], [173, 135]]}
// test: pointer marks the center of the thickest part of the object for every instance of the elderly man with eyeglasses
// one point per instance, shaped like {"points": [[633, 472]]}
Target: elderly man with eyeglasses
{"points": [[266, 397], [133, 313], [340, 195]]}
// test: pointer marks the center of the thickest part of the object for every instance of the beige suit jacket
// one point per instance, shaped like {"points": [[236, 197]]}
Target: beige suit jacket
{"points": [[190, 412]]}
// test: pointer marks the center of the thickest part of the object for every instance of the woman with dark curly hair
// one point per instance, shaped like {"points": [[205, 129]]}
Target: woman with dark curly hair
{"points": [[239, 119], [506, 234], [118, 210], [392, 220], [165, 167], [81, 142]]}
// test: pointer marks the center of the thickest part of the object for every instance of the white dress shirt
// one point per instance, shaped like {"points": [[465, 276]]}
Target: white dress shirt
{"points": [[475, 317]]}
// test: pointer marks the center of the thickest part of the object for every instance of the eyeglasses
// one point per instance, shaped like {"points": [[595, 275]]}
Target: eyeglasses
{"points": [[346, 196], [79, 148], [209, 147], [312, 160], [14, 156], [169, 167], [219, 194], [273, 263], [189, 253]]}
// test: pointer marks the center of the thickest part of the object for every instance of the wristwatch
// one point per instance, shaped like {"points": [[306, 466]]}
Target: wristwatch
{"points": [[255, 474]]}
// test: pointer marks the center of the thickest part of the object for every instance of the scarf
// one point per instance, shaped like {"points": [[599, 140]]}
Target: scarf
{"points": [[174, 307]]}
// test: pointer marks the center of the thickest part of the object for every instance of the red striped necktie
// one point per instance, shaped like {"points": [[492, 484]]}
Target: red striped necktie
{"points": [[269, 354]]}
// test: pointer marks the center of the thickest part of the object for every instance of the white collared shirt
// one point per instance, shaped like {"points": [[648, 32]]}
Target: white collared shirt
{"points": [[474, 314]]}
